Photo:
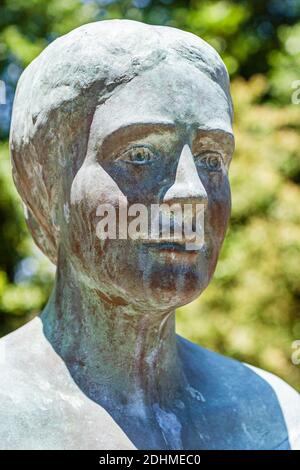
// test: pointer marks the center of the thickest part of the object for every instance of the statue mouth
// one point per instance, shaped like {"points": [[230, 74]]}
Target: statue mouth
{"points": [[174, 247]]}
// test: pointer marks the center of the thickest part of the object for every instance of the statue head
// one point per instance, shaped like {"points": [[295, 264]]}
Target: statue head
{"points": [[123, 111]]}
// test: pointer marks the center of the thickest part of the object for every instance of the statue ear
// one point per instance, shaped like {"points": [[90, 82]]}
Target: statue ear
{"points": [[43, 239]]}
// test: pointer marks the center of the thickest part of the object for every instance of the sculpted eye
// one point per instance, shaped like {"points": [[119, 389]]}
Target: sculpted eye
{"points": [[212, 161], [138, 155]]}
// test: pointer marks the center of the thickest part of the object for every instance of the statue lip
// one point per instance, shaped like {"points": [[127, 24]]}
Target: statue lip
{"points": [[173, 246]]}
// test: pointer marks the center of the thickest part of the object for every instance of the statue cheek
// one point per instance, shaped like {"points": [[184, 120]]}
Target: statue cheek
{"points": [[218, 213], [218, 219], [91, 188]]}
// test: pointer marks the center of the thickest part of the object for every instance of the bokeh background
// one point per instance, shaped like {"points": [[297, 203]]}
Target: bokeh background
{"points": [[251, 310]]}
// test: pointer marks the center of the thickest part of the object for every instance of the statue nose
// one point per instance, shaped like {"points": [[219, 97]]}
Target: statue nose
{"points": [[187, 187]]}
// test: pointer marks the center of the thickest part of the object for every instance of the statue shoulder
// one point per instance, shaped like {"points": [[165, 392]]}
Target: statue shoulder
{"points": [[16, 356], [264, 408], [41, 407], [289, 402], [20, 346]]}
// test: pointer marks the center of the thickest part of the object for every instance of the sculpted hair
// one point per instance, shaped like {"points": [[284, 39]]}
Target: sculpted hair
{"points": [[57, 96]]}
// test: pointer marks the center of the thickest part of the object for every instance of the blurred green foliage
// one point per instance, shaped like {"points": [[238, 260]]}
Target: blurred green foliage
{"points": [[251, 310]]}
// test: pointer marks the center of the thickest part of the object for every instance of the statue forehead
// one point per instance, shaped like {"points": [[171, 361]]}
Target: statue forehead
{"points": [[176, 94]]}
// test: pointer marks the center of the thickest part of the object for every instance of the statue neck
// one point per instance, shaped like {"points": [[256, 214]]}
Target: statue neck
{"points": [[115, 353]]}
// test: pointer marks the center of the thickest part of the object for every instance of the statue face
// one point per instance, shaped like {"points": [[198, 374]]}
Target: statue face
{"points": [[136, 144]]}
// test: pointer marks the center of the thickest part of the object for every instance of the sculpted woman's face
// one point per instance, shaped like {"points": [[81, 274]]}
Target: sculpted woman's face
{"points": [[139, 137]]}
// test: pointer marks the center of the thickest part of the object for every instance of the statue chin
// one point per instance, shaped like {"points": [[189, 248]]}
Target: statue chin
{"points": [[147, 278]]}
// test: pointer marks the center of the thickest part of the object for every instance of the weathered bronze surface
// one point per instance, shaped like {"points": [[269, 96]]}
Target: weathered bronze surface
{"points": [[119, 109]]}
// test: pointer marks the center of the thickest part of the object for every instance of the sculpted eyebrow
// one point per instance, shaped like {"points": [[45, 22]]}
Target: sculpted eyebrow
{"points": [[134, 131], [217, 136]]}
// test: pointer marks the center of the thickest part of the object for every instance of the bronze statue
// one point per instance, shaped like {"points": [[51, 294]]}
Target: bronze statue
{"points": [[123, 111]]}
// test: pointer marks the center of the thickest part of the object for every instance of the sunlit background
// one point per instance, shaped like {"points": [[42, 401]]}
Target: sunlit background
{"points": [[251, 310]]}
